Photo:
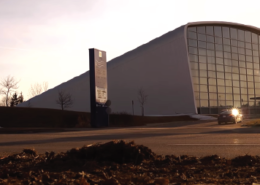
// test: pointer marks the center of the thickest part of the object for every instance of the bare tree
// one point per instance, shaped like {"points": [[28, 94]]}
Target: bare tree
{"points": [[37, 89], [45, 86], [3, 101], [8, 85], [64, 99], [142, 99]]}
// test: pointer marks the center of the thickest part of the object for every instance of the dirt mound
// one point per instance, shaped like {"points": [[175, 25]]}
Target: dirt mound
{"points": [[246, 160], [114, 151], [211, 159], [120, 162]]}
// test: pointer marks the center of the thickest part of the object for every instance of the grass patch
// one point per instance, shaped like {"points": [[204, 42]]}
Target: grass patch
{"points": [[17, 117], [24, 117], [125, 120]]}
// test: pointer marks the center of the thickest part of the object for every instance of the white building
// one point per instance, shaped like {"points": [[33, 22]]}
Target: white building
{"points": [[197, 67]]}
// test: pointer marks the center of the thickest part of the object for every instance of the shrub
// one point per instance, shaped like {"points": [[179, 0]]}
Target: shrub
{"points": [[83, 121], [120, 118]]}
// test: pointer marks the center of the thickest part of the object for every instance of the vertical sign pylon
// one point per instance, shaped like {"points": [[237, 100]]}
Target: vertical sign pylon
{"points": [[98, 87]]}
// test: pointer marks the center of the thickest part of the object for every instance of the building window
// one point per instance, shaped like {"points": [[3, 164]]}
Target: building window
{"points": [[224, 63]]}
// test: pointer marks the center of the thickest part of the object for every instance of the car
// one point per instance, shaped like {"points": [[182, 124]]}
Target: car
{"points": [[232, 115]]}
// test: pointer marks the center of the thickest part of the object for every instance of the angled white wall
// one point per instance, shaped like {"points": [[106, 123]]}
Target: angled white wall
{"points": [[160, 67]]}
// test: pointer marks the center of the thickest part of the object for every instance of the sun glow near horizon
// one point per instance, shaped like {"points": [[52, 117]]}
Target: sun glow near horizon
{"points": [[43, 41]]}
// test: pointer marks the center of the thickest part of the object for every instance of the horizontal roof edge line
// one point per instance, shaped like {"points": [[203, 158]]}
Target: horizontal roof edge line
{"points": [[222, 23]]}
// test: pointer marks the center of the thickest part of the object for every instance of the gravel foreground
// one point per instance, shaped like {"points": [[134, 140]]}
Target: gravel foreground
{"points": [[121, 162]]}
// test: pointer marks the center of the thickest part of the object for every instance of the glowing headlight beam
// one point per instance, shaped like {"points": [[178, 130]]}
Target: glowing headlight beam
{"points": [[235, 112]]}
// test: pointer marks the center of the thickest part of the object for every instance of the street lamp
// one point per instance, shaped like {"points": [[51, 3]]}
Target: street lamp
{"points": [[219, 103], [208, 94], [133, 107]]}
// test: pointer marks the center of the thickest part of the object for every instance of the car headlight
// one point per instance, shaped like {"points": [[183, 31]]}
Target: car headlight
{"points": [[235, 112]]}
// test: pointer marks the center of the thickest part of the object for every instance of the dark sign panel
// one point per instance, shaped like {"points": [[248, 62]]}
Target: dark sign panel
{"points": [[100, 76], [98, 87]]}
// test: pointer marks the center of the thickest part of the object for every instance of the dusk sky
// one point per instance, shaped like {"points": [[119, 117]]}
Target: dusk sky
{"points": [[48, 40]]}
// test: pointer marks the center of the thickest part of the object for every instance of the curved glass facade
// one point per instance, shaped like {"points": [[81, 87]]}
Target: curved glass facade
{"points": [[224, 63]]}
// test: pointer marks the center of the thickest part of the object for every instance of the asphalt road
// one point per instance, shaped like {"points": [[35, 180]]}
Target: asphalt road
{"points": [[198, 138]]}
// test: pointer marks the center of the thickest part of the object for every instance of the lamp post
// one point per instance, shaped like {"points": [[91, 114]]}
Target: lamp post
{"points": [[241, 105], [133, 107], [219, 103], [208, 94]]}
